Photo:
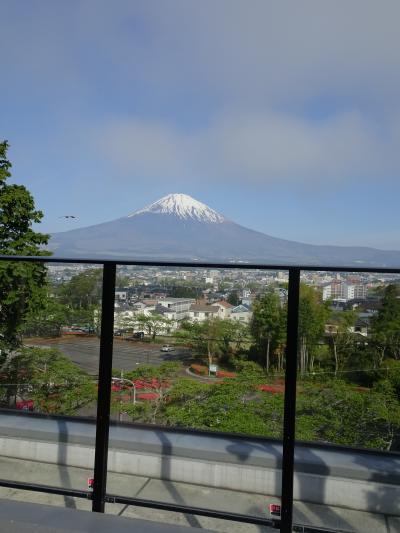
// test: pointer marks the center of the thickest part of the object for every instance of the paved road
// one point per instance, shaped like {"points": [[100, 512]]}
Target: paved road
{"points": [[84, 351]]}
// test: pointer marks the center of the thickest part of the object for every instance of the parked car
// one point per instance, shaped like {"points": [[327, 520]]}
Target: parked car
{"points": [[135, 336], [77, 330], [167, 348]]}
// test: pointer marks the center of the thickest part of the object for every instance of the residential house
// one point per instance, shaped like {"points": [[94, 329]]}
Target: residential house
{"points": [[199, 312], [121, 294], [241, 313], [225, 308]]}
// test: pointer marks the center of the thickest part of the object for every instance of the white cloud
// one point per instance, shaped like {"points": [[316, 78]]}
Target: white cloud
{"points": [[144, 147], [264, 148], [253, 51], [271, 52], [254, 68]]}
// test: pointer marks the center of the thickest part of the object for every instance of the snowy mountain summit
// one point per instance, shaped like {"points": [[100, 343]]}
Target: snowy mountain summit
{"points": [[180, 228], [184, 207]]}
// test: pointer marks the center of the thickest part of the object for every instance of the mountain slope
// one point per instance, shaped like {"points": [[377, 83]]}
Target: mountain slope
{"points": [[179, 228]]}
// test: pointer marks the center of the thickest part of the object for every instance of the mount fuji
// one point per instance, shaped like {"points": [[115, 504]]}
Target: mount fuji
{"points": [[179, 228]]}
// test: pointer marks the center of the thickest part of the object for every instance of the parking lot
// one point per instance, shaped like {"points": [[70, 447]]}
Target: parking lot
{"points": [[84, 351]]}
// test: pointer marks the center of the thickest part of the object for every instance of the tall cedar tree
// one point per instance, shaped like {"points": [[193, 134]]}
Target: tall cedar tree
{"points": [[268, 326], [386, 325], [312, 318], [20, 283]]}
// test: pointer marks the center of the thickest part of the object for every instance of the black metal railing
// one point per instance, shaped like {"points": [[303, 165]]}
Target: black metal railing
{"points": [[99, 495]]}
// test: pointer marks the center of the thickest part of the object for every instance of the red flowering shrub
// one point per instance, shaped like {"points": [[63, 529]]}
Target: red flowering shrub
{"points": [[273, 389], [201, 370], [147, 396], [226, 374]]}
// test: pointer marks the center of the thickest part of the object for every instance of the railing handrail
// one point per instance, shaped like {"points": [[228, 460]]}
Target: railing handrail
{"points": [[200, 264]]}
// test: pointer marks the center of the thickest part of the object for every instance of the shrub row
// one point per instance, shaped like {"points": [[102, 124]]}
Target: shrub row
{"points": [[202, 370]]}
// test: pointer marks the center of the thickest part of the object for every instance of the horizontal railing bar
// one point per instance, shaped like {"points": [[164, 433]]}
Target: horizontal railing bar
{"points": [[48, 489], [187, 509], [318, 529], [223, 515], [186, 264]]}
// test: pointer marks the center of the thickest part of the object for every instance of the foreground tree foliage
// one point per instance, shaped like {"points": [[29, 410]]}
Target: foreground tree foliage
{"points": [[160, 378], [333, 413], [312, 320], [215, 339], [268, 327], [153, 324], [386, 325], [51, 380], [83, 291], [341, 338], [75, 302], [341, 414], [48, 319], [20, 283], [333, 362]]}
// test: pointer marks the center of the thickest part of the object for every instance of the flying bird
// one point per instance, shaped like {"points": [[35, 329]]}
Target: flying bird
{"points": [[68, 216]]}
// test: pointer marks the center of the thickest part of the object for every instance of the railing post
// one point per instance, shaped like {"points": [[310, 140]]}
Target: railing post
{"points": [[104, 388], [290, 401]]}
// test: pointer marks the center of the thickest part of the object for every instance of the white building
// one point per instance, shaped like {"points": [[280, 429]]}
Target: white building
{"points": [[347, 291], [343, 291], [201, 312], [224, 307], [121, 295], [178, 308]]}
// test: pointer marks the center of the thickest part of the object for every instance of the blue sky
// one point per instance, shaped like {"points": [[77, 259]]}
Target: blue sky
{"points": [[283, 116]]}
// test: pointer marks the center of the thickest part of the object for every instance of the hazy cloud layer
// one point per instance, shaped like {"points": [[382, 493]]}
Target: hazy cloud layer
{"points": [[275, 52], [257, 147], [302, 91]]}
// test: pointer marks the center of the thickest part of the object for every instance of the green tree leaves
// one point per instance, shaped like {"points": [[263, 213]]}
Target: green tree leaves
{"points": [[336, 412], [386, 325], [268, 327], [312, 319], [83, 291], [20, 283], [54, 383]]}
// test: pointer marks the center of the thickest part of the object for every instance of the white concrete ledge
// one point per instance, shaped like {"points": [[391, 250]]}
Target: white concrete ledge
{"points": [[336, 477]]}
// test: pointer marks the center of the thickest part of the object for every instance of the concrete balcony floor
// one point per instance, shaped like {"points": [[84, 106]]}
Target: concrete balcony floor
{"points": [[22, 517], [183, 493]]}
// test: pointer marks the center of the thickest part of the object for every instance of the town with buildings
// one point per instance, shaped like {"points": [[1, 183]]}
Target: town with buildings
{"points": [[225, 293]]}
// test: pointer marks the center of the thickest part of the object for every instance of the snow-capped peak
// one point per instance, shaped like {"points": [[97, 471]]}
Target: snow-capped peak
{"points": [[184, 207]]}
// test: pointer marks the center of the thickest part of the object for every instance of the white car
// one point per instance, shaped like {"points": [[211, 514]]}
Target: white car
{"points": [[167, 348]]}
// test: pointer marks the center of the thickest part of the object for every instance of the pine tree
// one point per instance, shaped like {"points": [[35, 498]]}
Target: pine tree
{"points": [[20, 283]]}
